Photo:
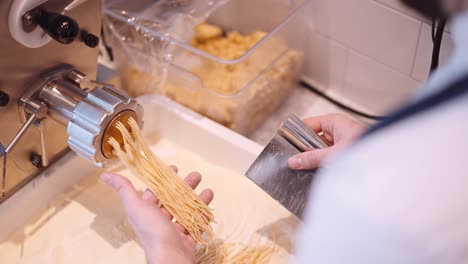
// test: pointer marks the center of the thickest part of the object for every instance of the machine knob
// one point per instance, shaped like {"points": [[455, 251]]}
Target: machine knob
{"points": [[4, 99], [89, 39], [62, 28]]}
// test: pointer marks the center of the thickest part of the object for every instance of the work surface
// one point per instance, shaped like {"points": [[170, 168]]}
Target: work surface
{"points": [[88, 224]]}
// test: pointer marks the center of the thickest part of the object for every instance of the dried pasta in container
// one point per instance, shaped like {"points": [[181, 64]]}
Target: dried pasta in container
{"points": [[236, 68], [241, 94]]}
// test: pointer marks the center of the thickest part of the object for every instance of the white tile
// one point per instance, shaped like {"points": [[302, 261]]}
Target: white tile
{"points": [[399, 6], [297, 3], [375, 86], [309, 13], [372, 29], [422, 63], [325, 62]]}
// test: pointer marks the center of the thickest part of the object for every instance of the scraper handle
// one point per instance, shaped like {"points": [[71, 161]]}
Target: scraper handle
{"points": [[302, 137]]}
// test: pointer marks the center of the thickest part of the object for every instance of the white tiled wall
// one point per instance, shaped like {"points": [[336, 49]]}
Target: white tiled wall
{"points": [[372, 53]]}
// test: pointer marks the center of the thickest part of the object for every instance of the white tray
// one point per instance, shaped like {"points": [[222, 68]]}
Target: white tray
{"points": [[163, 117]]}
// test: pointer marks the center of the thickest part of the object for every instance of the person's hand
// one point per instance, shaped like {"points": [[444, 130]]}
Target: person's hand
{"points": [[162, 240], [338, 129]]}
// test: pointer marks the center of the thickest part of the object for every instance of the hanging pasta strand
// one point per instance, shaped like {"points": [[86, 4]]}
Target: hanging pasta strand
{"points": [[232, 253], [182, 202], [173, 193]]}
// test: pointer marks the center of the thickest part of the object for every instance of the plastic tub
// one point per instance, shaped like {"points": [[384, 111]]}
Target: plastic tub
{"points": [[239, 93]]}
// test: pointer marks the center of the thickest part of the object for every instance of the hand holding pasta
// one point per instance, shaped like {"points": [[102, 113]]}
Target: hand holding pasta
{"points": [[170, 219], [173, 193], [161, 239]]}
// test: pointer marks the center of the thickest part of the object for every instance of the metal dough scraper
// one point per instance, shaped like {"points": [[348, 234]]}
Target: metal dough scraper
{"points": [[270, 170]]}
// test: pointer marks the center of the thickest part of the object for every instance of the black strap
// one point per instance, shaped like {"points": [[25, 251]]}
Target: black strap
{"points": [[452, 92]]}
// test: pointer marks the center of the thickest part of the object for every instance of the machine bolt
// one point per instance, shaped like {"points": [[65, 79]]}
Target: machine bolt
{"points": [[4, 98], [76, 76], [28, 19], [89, 39], [36, 160]]}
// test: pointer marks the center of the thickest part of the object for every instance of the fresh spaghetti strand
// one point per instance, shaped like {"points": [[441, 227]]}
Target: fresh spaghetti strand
{"points": [[182, 202], [173, 193], [231, 253], [253, 254]]}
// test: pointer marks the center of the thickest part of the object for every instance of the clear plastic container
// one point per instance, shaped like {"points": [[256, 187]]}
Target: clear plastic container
{"points": [[239, 93]]}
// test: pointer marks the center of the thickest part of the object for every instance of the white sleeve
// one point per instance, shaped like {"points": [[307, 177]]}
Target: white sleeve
{"points": [[339, 230], [399, 196]]}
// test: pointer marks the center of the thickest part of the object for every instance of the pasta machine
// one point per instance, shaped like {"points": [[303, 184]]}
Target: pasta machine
{"points": [[49, 99]]}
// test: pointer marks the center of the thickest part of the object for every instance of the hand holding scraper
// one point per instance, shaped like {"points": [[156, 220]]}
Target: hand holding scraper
{"points": [[270, 170]]}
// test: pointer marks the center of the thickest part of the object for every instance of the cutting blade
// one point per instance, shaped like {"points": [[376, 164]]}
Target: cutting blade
{"points": [[271, 173], [270, 170]]}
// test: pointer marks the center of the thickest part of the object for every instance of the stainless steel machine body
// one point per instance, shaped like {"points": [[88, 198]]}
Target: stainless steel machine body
{"points": [[53, 102]]}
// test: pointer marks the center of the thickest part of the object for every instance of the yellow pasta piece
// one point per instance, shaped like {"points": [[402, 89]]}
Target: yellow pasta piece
{"points": [[205, 31], [232, 46]]}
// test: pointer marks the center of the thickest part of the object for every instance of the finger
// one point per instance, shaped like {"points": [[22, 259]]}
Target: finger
{"points": [[316, 123], [328, 137], [122, 187], [166, 213], [325, 124], [149, 196], [174, 168], [207, 196], [181, 228], [193, 179], [190, 241], [309, 160]]}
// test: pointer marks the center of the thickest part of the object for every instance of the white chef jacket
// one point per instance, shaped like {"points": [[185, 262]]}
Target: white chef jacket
{"points": [[401, 194]]}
